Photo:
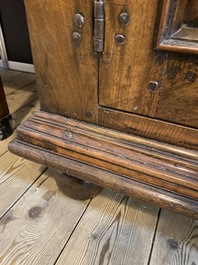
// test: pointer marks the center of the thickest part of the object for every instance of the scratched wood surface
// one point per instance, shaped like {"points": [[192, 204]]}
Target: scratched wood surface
{"points": [[71, 93], [41, 226], [137, 78], [126, 70], [114, 230], [176, 241], [43, 221]]}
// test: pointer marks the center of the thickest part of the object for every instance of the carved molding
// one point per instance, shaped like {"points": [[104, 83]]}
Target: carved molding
{"points": [[163, 174], [178, 29]]}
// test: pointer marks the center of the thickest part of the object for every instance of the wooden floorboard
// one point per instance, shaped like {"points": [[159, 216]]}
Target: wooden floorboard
{"points": [[43, 220], [38, 225], [176, 241], [114, 230], [17, 82]]}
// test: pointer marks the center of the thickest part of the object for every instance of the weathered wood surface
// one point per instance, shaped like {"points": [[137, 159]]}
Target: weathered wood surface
{"points": [[66, 86], [17, 82], [114, 227], [16, 176], [8, 74], [22, 97], [176, 241], [113, 150], [150, 128], [75, 188], [43, 220], [126, 70], [179, 93], [137, 78], [114, 230], [113, 160]]}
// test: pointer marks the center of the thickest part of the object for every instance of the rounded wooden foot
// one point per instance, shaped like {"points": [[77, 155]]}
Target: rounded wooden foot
{"points": [[76, 188], [5, 128]]}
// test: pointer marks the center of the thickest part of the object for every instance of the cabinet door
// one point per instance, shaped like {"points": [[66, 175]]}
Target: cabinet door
{"points": [[140, 75], [128, 67], [66, 67]]}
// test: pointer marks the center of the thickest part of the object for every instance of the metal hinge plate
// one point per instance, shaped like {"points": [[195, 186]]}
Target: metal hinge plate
{"points": [[99, 25]]}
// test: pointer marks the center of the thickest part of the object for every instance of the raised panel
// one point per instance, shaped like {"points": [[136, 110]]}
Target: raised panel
{"points": [[179, 26], [128, 71], [138, 78]]}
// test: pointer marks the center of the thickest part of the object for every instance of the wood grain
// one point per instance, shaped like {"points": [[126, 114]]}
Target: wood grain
{"points": [[114, 230], [113, 160], [176, 241], [192, 11], [17, 82], [22, 97], [149, 128], [126, 70], [179, 95], [125, 158], [16, 176], [176, 16], [25, 241], [67, 73], [8, 74], [75, 188], [43, 222]]}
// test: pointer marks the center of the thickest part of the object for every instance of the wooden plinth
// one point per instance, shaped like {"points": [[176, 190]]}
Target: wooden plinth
{"points": [[162, 174]]}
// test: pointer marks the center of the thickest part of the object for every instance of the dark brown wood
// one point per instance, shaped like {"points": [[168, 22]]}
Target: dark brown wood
{"points": [[135, 77], [77, 189], [155, 164], [5, 127], [109, 180], [150, 128], [148, 96], [178, 27]]}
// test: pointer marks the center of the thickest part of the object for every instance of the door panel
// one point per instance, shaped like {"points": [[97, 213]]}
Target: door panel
{"points": [[127, 71], [67, 70], [138, 77]]}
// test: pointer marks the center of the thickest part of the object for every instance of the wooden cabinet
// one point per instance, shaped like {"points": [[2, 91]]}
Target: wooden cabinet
{"points": [[119, 93]]}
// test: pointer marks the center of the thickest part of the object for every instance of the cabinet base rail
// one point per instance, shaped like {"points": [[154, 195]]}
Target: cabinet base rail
{"points": [[153, 171]]}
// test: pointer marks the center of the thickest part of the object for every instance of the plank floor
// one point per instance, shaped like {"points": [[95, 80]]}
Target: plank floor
{"points": [[39, 225]]}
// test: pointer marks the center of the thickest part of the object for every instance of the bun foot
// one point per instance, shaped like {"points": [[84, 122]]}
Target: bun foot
{"points": [[75, 188]]}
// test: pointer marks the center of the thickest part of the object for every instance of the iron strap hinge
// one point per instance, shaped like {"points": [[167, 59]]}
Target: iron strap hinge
{"points": [[99, 25]]}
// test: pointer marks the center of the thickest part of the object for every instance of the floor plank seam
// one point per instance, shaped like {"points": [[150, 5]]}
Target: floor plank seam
{"points": [[18, 199], [26, 85], [71, 234], [4, 153], [154, 236], [29, 103]]}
